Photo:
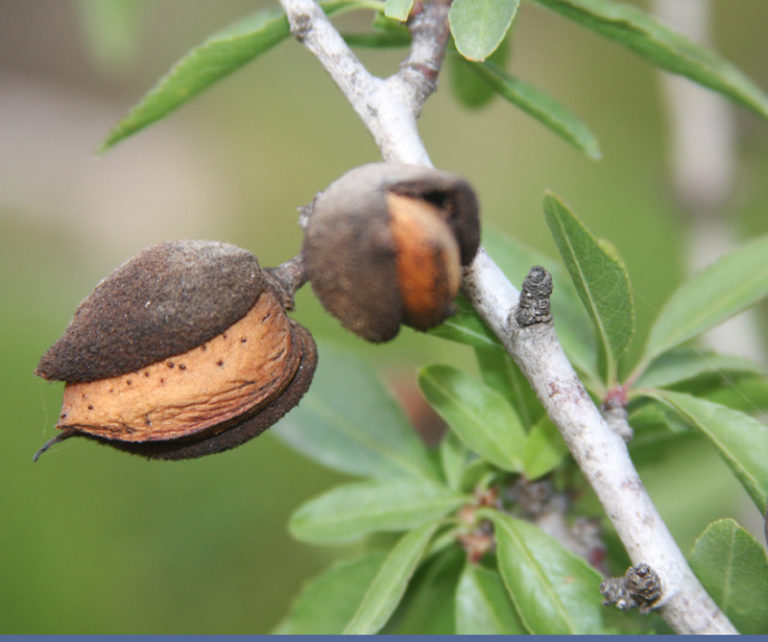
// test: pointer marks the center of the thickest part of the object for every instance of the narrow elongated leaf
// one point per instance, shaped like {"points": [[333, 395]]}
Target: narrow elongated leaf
{"points": [[687, 363], [427, 607], [651, 415], [218, 56], [483, 606], [398, 9], [499, 371], [481, 417], [387, 588], [349, 512], [453, 458], [468, 87], [732, 567], [600, 279], [541, 106], [479, 26], [555, 591], [663, 47], [742, 440], [348, 422], [328, 601], [544, 449], [745, 393], [728, 286]]}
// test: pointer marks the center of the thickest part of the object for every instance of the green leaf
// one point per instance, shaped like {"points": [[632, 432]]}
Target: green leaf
{"points": [[327, 602], [683, 364], [732, 567], [742, 440], [653, 414], [573, 325], [554, 590], [663, 47], [479, 26], [466, 327], [476, 472], [387, 588], [348, 422], [483, 606], [218, 56], [541, 106], [453, 458], [349, 512], [427, 607], [544, 449], [745, 393], [398, 9], [728, 286], [481, 417], [499, 371], [600, 279], [468, 87]]}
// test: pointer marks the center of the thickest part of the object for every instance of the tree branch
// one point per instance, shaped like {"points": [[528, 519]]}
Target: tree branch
{"points": [[389, 109]]}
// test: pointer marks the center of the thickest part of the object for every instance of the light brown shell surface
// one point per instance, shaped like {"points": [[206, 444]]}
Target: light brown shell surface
{"points": [[234, 373]]}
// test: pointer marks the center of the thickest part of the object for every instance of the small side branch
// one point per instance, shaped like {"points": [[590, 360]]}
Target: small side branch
{"points": [[389, 109]]}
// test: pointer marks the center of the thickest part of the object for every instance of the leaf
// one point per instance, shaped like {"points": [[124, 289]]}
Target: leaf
{"points": [[398, 9], [663, 47], [479, 26], [483, 606], [468, 87], [725, 288], [600, 279], [683, 364], [476, 472], [544, 449], [746, 393], [218, 56], [481, 417], [453, 457], [554, 590], [427, 607], [327, 602], [574, 328], [541, 106], [387, 588], [653, 414], [499, 371], [732, 567], [466, 327], [742, 440], [347, 513], [348, 422]]}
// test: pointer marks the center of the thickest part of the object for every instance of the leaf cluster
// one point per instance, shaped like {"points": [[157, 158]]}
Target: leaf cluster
{"points": [[481, 34]]}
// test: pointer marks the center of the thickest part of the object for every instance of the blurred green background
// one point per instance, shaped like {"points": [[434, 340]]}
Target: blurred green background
{"points": [[95, 541]]}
